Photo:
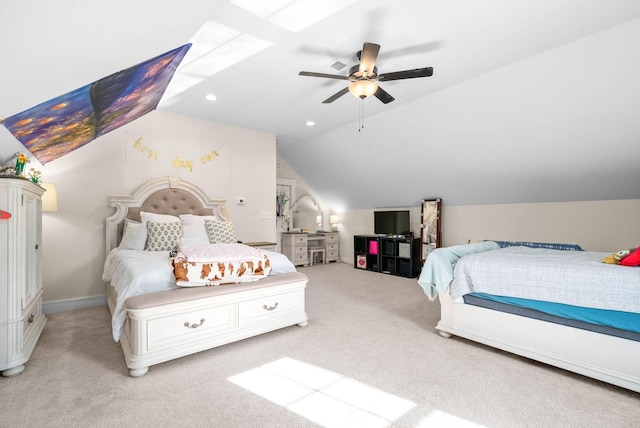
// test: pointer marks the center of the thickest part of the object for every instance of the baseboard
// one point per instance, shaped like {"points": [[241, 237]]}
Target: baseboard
{"points": [[71, 304]]}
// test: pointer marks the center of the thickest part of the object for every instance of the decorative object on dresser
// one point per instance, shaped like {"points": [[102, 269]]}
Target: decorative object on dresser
{"points": [[430, 226], [396, 256], [21, 318], [156, 321], [334, 220]]}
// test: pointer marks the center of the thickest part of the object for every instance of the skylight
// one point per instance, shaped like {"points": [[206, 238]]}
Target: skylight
{"points": [[293, 15], [215, 47]]}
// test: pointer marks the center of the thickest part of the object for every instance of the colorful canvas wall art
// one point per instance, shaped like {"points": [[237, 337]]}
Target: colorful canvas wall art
{"points": [[65, 123]]}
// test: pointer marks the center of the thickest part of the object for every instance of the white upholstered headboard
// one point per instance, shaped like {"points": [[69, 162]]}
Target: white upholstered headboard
{"points": [[164, 195]]}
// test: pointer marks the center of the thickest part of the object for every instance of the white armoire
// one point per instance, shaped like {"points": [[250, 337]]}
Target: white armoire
{"points": [[21, 318]]}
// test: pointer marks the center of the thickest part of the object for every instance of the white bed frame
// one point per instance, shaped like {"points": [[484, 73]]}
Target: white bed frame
{"points": [[607, 358], [170, 324]]}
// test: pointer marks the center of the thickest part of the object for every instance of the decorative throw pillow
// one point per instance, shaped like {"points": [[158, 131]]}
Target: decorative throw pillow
{"points": [[134, 236], [163, 236], [158, 218], [194, 235], [192, 219], [220, 232], [632, 259]]}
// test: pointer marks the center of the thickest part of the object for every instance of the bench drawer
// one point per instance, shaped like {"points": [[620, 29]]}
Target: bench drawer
{"points": [[262, 309], [196, 324]]}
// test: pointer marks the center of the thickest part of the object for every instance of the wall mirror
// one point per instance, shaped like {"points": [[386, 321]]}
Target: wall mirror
{"points": [[307, 214], [430, 233]]}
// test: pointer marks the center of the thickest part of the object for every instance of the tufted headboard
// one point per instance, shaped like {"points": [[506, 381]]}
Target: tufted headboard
{"points": [[165, 195]]}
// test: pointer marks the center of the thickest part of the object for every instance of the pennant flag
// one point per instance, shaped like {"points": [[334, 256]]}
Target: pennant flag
{"points": [[63, 124]]}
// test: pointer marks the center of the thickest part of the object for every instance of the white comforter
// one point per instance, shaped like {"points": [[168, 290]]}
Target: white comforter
{"points": [[571, 277], [133, 272]]}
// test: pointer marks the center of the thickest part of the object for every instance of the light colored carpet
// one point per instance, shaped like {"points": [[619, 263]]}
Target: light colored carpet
{"points": [[372, 329]]}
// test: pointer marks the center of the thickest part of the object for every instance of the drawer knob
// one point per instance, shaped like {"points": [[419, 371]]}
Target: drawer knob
{"points": [[31, 318], [186, 324], [270, 308]]}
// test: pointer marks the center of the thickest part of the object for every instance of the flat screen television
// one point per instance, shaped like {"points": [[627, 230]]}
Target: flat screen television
{"points": [[391, 222]]}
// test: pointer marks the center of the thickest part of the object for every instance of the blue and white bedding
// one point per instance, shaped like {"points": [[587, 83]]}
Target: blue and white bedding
{"points": [[135, 272], [576, 278], [569, 284], [437, 272]]}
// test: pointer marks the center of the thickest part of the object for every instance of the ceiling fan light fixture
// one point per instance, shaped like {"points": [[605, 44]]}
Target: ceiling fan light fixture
{"points": [[363, 88]]}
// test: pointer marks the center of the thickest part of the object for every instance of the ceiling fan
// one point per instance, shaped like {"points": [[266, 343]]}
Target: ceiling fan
{"points": [[364, 76]]}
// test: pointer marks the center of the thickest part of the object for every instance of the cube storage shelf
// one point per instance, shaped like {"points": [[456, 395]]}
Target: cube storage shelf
{"points": [[395, 256]]}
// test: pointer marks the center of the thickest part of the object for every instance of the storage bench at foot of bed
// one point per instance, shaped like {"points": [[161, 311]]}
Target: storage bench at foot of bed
{"points": [[170, 324]]}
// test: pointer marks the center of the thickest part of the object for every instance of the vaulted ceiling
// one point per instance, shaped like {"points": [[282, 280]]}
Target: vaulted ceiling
{"points": [[530, 100]]}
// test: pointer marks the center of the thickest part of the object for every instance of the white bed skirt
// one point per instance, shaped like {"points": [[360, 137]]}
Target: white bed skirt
{"points": [[607, 358]]}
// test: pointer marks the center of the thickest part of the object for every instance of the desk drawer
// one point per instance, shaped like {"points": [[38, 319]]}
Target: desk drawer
{"points": [[300, 257], [331, 238], [294, 239], [332, 247]]}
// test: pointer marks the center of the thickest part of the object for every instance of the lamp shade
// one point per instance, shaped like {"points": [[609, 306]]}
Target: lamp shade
{"points": [[363, 88], [50, 197], [334, 219]]}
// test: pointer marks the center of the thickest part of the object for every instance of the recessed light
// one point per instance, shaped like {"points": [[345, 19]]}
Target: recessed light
{"points": [[310, 123], [210, 97]]}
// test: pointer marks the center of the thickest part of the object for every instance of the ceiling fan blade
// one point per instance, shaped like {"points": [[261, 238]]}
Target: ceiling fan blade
{"points": [[335, 96], [382, 95], [406, 74], [325, 75], [368, 57]]}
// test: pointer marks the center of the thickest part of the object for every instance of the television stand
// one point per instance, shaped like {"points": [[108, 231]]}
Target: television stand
{"points": [[392, 255]]}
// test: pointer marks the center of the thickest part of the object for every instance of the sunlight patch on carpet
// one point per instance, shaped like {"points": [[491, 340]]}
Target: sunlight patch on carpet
{"points": [[322, 396]]}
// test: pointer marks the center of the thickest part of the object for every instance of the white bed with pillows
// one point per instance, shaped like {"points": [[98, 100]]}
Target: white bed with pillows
{"points": [[178, 282]]}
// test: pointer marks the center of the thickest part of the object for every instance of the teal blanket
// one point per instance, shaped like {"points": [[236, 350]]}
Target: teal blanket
{"points": [[437, 272]]}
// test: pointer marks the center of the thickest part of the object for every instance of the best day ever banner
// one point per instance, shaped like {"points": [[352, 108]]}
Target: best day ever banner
{"points": [[162, 153]]}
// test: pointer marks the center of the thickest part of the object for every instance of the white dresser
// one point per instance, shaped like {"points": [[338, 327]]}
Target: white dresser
{"points": [[294, 246], [21, 318], [331, 246], [299, 246]]}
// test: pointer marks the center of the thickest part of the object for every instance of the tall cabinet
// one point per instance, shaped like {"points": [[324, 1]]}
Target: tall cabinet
{"points": [[21, 318]]}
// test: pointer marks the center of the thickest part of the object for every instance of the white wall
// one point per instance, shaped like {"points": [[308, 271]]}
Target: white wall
{"points": [[284, 170], [595, 225], [74, 237], [607, 226]]}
